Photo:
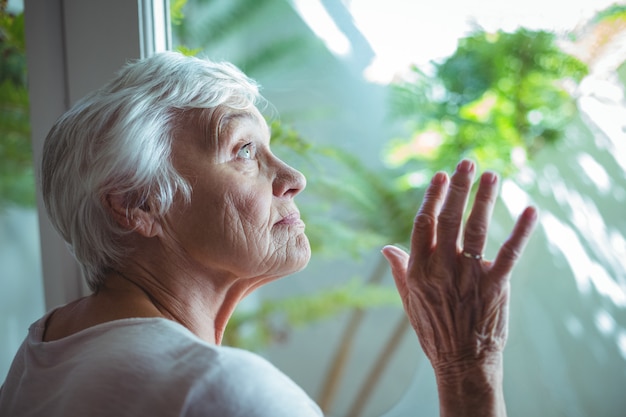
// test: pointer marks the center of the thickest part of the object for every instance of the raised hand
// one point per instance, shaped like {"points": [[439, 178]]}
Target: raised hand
{"points": [[456, 301]]}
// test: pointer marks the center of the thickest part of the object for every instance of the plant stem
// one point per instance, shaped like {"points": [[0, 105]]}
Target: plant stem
{"points": [[377, 370]]}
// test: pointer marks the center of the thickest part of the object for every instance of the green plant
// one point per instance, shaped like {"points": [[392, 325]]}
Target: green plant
{"points": [[498, 99], [17, 184]]}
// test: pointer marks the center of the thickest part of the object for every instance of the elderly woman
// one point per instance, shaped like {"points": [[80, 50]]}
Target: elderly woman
{"points": [[164, 186]]}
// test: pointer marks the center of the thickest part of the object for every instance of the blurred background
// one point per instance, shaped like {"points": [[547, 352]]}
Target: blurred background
{"points": [[368, 100]]}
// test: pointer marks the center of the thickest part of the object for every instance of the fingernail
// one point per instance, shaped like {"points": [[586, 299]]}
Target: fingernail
{"points": [[531, 213], [489, 177], [465, 166], [439, 178]]}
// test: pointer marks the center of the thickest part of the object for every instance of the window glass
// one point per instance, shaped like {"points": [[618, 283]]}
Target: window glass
{"points": [[372, 97]]}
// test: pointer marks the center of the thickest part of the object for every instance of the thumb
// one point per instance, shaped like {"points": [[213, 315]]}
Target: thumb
{"points": [[398, 261]]}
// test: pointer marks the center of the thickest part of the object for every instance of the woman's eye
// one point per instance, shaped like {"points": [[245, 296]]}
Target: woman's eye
{"points": [[247, 151]]}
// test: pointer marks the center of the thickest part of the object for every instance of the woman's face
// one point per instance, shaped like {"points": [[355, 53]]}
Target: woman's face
{"points": [[242, 220]]}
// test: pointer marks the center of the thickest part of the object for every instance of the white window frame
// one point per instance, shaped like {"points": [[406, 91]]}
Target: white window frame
{"points": [[73, 47]]}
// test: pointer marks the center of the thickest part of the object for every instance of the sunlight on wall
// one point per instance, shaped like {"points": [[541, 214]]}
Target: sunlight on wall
{"points": [[621, 343], [604, 113], [323, 25], [595, 172], [586, 271], [403, 32], [515, 199]]}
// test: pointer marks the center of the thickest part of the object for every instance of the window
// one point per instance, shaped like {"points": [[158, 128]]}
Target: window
{"points": [[325, 66]]}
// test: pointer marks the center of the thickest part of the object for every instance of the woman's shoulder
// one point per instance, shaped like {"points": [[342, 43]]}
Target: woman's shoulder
{"points": [[147, 345], [160, 363], [240, 382], [228, 380]]}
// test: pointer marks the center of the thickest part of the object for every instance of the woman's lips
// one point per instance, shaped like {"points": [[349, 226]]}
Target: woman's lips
{"points": [[291, 219]]}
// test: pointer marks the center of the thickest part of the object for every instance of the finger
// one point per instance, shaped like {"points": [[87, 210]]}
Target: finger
{"points": [[512, 249], [450, 218], [398, 261], [475, 234], [423, 238]]}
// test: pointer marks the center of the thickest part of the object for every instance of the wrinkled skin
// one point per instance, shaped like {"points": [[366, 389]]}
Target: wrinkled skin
{"points": [[241, 229], [457, 304], [242, 220]]}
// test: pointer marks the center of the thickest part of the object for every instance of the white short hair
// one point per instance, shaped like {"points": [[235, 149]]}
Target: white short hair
{"points": [[118, 140]]}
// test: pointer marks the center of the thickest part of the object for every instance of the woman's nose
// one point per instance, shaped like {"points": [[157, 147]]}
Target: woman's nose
{"points": [[288, 181]]}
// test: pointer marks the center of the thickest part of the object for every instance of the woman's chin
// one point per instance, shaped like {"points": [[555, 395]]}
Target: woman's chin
{"points": [[298, 257]]}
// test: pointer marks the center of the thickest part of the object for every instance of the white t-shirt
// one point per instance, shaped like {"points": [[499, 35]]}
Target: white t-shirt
{"points": [[144, 367]]}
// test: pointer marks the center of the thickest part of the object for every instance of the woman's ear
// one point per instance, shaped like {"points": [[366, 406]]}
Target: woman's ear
{"points": [[139, 219]]}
